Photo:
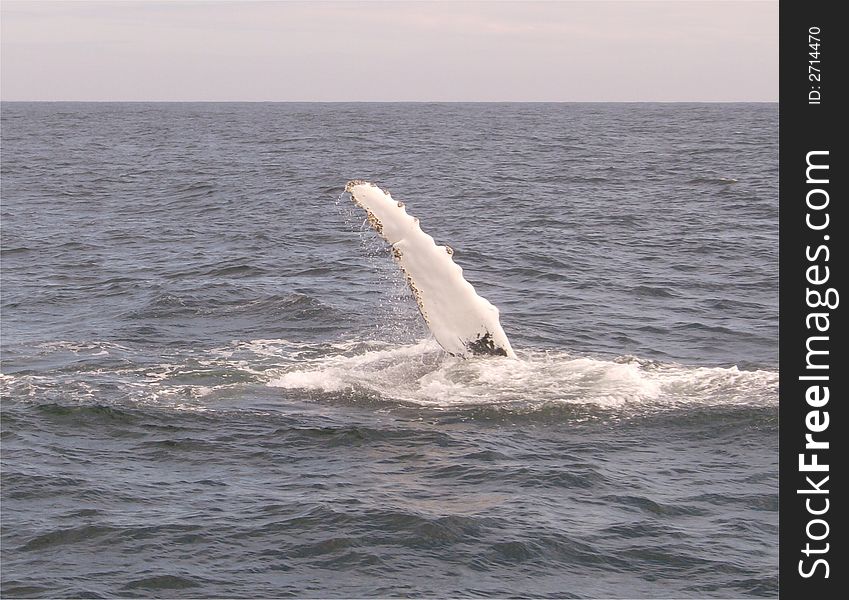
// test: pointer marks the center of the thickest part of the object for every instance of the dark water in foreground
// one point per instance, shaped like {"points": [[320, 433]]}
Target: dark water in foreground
{"points": [[215, 384]]}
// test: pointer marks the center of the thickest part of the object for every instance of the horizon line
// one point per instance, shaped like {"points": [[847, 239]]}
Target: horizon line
{"points": [[398, 101]]}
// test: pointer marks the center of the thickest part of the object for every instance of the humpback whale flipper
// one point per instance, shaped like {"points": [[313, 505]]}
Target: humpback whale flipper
{"points": [[461, 321]]}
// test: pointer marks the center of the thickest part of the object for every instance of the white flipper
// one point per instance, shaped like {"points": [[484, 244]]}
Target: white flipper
{"points": [[461, 321]]}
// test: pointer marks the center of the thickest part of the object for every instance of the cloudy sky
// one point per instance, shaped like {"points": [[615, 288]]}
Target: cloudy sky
{"points": [[390, 51]]}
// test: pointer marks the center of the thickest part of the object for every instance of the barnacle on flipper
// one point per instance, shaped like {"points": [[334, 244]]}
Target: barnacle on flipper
{"points": [[416, 294], [375, 222], [354, 183]]}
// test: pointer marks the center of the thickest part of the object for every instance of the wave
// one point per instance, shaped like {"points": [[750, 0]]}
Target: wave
{"points": [[412, 374], [199, 302], [714, 180], [421, 374]]}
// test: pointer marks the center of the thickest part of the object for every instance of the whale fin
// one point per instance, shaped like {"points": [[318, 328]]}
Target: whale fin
{"points": [[462, 322]]}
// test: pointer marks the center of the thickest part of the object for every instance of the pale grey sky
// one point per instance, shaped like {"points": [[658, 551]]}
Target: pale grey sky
{"points": [[390, 51]]}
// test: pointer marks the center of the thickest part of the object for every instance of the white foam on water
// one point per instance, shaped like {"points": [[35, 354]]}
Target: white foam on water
{"points": [[421, 374], [344, 371], [94, 348]]}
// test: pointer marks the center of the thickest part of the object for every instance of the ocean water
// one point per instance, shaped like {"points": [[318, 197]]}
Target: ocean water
{"points": [[216, 384]]}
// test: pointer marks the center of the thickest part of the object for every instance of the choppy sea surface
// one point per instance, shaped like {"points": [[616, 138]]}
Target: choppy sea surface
{"points": [[216, 384]]}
